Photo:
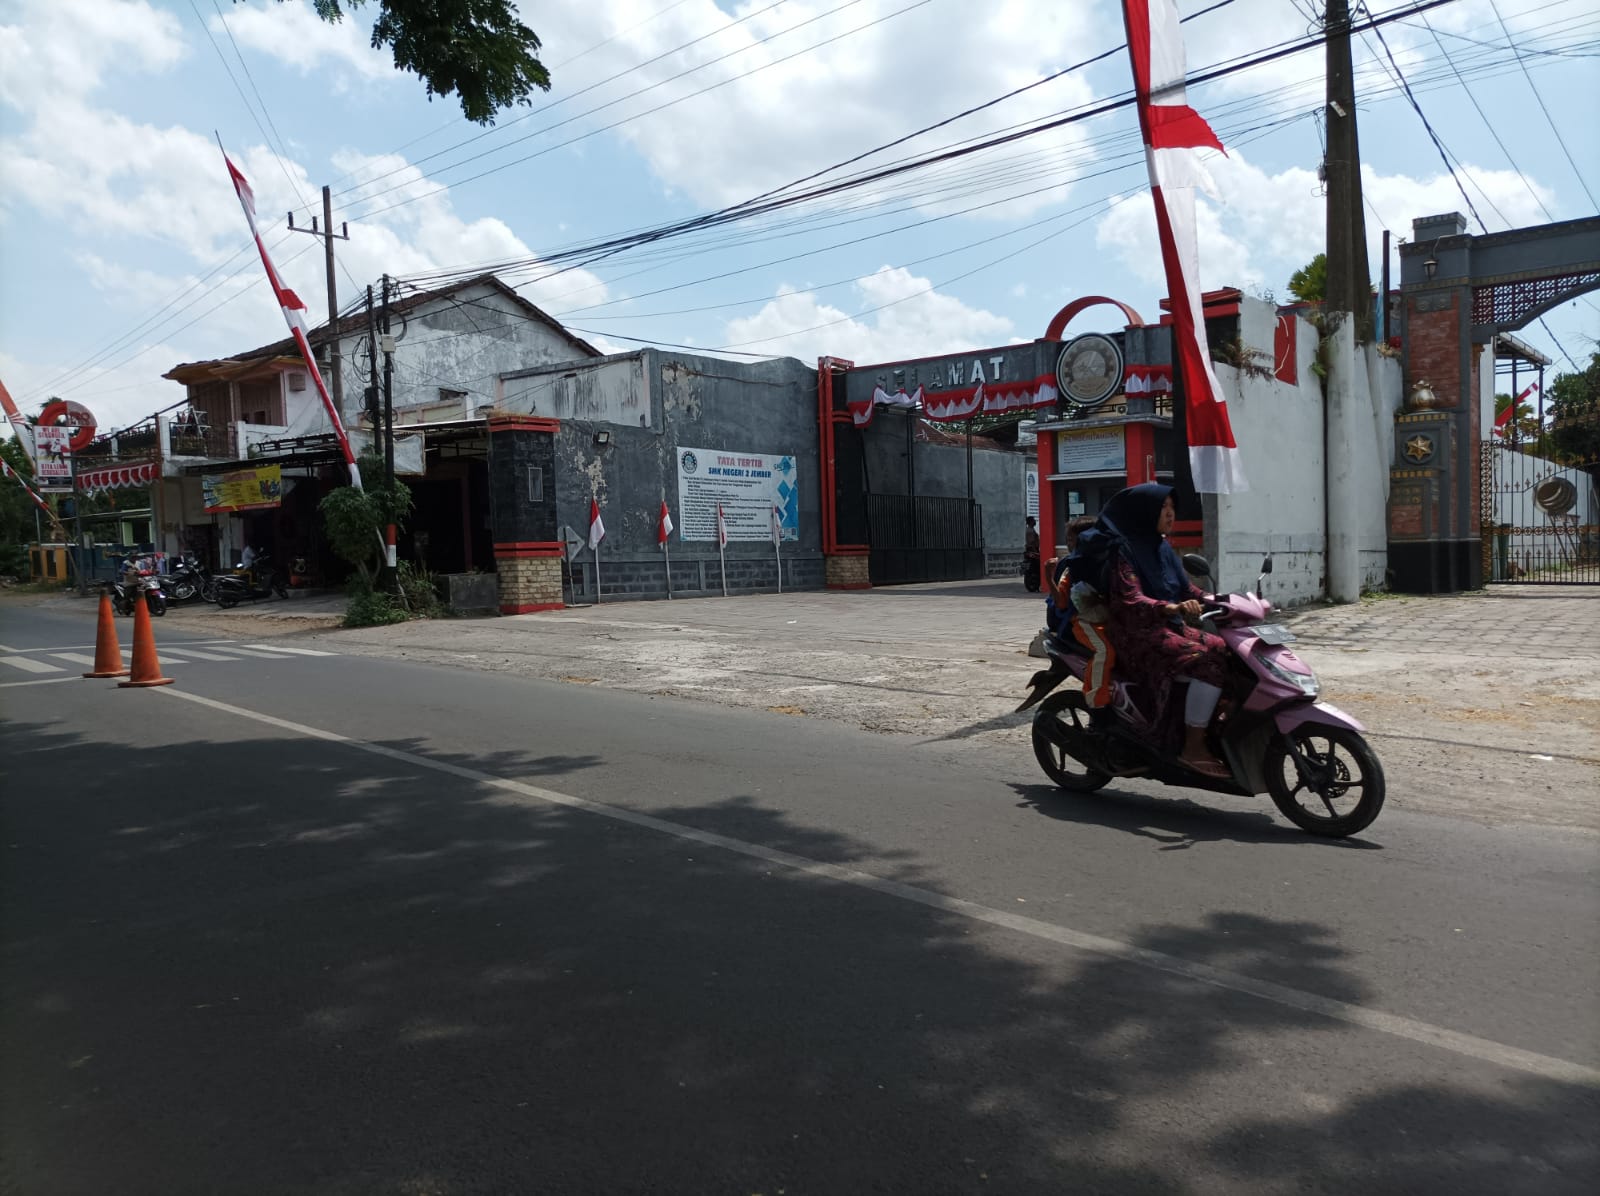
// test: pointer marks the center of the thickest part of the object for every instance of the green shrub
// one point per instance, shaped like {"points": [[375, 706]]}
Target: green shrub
{"points": [[368, 608], [421, 589]]}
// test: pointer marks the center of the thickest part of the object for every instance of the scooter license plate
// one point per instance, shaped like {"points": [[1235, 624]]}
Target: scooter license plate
{"points": [[1273, 633]]}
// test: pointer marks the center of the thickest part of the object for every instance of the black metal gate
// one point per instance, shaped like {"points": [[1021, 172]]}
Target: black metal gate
{"points": [[914, 538], [1541, 519]]}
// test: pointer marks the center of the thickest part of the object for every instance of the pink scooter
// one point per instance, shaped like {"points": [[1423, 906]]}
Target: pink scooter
{"points": [[1269, 729]]}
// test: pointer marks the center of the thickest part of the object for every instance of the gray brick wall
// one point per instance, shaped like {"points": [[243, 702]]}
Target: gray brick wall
{"points": [[695, 577]]}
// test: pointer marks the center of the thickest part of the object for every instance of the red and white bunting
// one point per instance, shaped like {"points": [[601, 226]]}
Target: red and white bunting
{"points": [[293, 308], [118, 477], [1173, 131]]}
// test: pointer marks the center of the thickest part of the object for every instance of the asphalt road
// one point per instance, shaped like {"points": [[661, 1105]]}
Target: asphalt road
{"points": [[331, 924]]}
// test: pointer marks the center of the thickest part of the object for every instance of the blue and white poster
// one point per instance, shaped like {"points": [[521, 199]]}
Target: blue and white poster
{"points": [[746, 485]]}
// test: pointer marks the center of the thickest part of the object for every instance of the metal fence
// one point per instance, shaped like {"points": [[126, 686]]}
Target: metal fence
{"points": [[1540, 519], [916, 538]]}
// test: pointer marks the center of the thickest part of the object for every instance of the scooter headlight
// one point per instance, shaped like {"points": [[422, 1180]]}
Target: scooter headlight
{"points": [[1307, 683]]}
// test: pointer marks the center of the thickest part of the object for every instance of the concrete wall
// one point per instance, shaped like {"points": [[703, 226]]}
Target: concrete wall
{"points": [[1280, 429], [602, 390], [762, 407]]}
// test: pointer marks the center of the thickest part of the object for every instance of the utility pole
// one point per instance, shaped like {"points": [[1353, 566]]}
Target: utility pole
{"points": [[1348, 316], [372, 366], [328, 238], [77, 526], [388, 391], [1349, 277]]}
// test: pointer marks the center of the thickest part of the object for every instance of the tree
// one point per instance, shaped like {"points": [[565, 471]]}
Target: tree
{"points": [[355, 519], [17, 526], [476, 49], [1574, 409], [1522, 427], [1309, 283]]}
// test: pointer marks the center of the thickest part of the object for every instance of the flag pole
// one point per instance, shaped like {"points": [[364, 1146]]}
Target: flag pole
{"points": [[722, 549], [777, 544], [666, 553]]}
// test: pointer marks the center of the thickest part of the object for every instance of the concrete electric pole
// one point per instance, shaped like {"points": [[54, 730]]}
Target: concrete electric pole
{"points": [[1349, 278], [328, 238]]}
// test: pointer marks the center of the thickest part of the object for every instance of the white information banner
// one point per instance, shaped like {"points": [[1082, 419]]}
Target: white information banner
{"points": [[1092, 451], [53, 462], [746, 484]]}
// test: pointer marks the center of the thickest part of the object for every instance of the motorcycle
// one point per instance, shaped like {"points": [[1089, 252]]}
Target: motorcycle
{"points": [[1270, 729], [1030, 572], [187, 581], [260, 580], [148, 588]]}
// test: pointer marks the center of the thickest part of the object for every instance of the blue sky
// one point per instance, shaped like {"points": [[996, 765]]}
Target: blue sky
{"points": [[121, 236]]}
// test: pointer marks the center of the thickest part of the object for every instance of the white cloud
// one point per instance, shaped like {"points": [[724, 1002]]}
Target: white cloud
{"points": [[1268, 225], [903, 318], [866, 88], [294, 35], [64, 48]]}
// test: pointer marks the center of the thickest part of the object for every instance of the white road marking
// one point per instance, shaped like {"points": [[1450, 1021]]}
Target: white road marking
{"points": [[195, 652], [91, 647], [30, 666], [75, 658], [41, 681], [250, 652], [1468, 1045], [295, 651]]}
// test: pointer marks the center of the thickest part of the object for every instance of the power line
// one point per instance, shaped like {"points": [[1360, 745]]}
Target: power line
{"points": [[1495, 8]]}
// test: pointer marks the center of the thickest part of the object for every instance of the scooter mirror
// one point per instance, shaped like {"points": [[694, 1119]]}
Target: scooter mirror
{"points": [[1196, 565]]}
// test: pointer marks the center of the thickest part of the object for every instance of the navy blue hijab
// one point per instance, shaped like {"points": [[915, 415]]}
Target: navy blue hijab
{"points": [[1127, 526]]}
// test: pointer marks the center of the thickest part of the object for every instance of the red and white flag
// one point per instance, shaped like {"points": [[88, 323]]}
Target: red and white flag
{"points": [[1503, 420], [777, 523], [1173, 131], [722, 528], [663, 525], [597, 528], [294, 315], [5, 468]]}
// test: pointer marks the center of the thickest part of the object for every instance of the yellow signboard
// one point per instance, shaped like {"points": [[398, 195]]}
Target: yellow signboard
{"points": [[243, 490]]}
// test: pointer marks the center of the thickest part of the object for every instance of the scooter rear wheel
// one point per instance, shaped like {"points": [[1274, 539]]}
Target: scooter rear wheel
{"points": [[1325, 780], [1059, 726]]}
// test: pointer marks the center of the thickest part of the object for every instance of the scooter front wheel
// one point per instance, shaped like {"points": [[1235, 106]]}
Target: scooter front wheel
{"points": [[1060, 726], [1325, 780], [226, 598]]}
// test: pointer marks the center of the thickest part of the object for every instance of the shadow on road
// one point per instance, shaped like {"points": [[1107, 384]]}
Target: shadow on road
{"points": [[279, 965], [1176, 822]]}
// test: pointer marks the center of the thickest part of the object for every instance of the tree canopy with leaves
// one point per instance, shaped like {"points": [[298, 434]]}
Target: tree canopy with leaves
{"points": [[354, 519], [475, 49], [1309, 284], [1574, 410]]}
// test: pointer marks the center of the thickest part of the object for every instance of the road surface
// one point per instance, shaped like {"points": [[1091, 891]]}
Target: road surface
{"points": [[335, 924]]}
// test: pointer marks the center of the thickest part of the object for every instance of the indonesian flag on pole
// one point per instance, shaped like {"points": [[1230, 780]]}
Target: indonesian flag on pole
{"points": [[5, 468], [663, 525], [597, 528], [1510, 413], [722, 528], [294, 315], [777, 523], [1173, 131]]}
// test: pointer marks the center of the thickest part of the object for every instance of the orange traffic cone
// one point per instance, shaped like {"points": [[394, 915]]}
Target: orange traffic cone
{"points": [[107, 652], [146, 668]]}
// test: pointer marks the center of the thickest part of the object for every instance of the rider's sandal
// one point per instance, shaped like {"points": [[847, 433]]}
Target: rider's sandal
{"points": [[1215, 769]]}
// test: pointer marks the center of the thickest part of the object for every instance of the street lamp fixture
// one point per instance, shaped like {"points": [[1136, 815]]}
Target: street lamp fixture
{"points": [[602, 437], [1430, 266]]}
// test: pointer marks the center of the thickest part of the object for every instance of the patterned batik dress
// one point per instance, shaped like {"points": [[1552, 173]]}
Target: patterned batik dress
{"points": [[1149, 647]]}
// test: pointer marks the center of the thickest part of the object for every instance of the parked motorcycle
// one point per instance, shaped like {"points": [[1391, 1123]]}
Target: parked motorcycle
{"points": [[1270, 729], [261, 580], [1030, 572], [187, 581], [147, 589]]}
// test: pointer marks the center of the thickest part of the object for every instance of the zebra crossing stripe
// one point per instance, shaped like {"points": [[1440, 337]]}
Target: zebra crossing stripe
{"points": [[194, 652], [296, 651], [28, 665]]}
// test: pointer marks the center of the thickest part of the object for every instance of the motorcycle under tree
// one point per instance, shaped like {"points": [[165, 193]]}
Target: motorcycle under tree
{"points": [[1270, 729], [261, 580]]}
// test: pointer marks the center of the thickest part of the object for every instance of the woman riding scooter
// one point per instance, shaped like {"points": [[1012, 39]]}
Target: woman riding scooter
{"points": [[1126, 557]]}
